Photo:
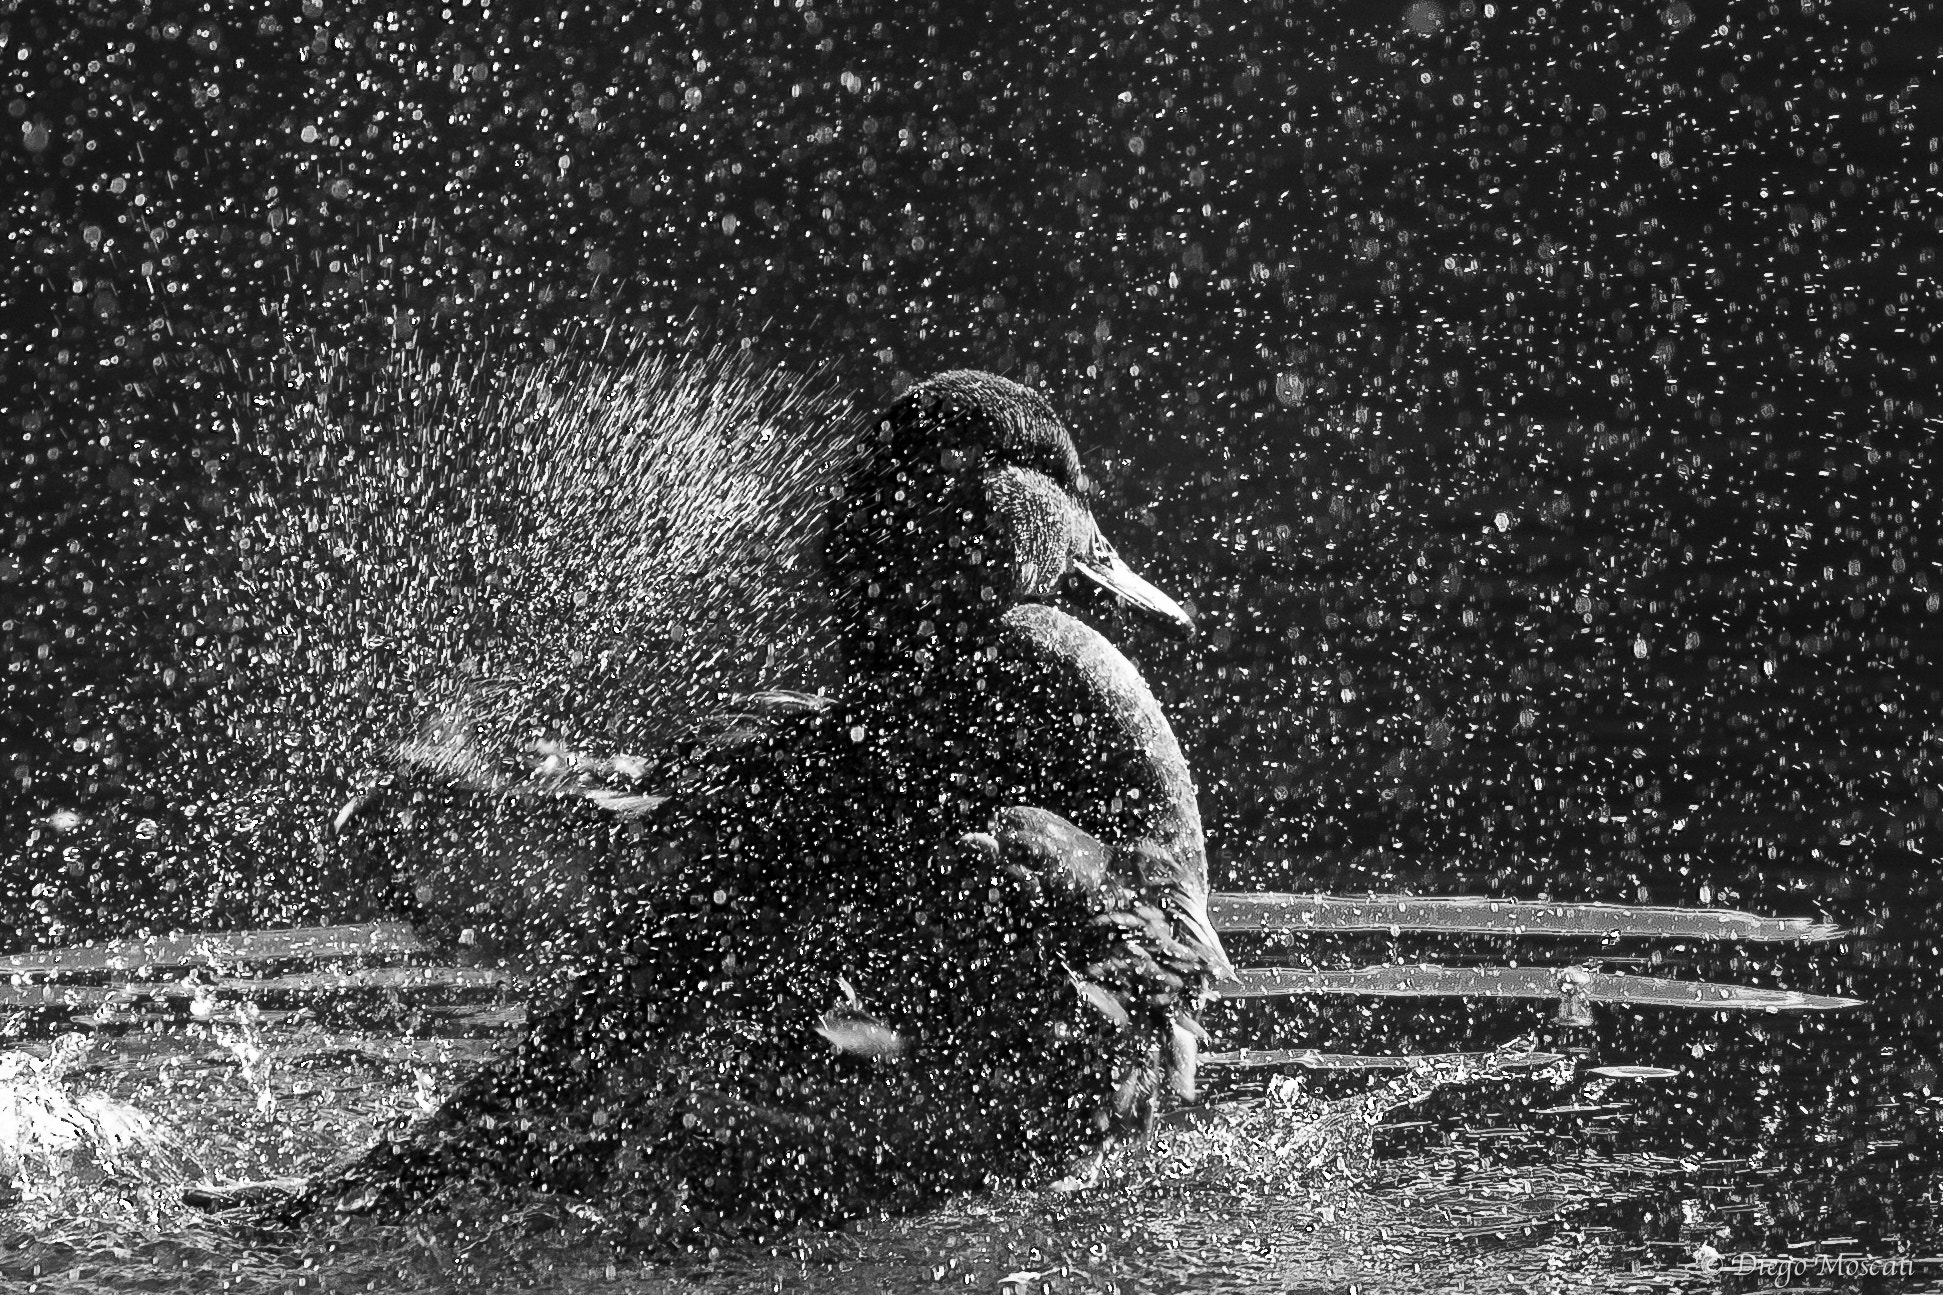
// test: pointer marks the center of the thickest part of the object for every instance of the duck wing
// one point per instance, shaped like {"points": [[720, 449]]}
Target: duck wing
{"points": [[694, 927], [507, 862], [1138, 986]]}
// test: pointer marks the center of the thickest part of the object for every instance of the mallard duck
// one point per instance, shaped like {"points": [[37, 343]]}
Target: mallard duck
{"points": [[948, 929]]}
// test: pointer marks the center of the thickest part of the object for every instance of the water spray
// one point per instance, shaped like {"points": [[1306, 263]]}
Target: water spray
{"points": [[457, 559]]}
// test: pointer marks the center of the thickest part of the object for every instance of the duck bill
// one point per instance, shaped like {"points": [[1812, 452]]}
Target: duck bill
{"points": [[1111, 574]]}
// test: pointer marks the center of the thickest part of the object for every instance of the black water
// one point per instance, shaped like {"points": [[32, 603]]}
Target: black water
{"points": [[1535, 403]]}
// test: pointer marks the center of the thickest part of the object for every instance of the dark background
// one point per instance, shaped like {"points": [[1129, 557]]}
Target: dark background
{"points": [[1534, 402]]}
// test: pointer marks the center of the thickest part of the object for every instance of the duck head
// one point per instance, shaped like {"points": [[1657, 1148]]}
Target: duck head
{"points": [[965, 515], [968, 500]]}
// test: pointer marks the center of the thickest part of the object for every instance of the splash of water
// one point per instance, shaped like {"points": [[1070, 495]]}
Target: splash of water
{"points": [[67, 1156], [1289, 1141], [477, 553], [583, 549]]}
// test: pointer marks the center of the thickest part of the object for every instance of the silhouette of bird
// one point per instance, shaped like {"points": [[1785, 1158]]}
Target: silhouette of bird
{"points": [[948, 930]]}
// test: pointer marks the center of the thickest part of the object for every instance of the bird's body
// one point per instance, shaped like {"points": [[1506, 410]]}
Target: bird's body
{"points": [[949, 929]]}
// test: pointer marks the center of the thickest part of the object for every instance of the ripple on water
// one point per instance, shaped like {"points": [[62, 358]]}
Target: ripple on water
{"points": [[1257, 1201]]}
